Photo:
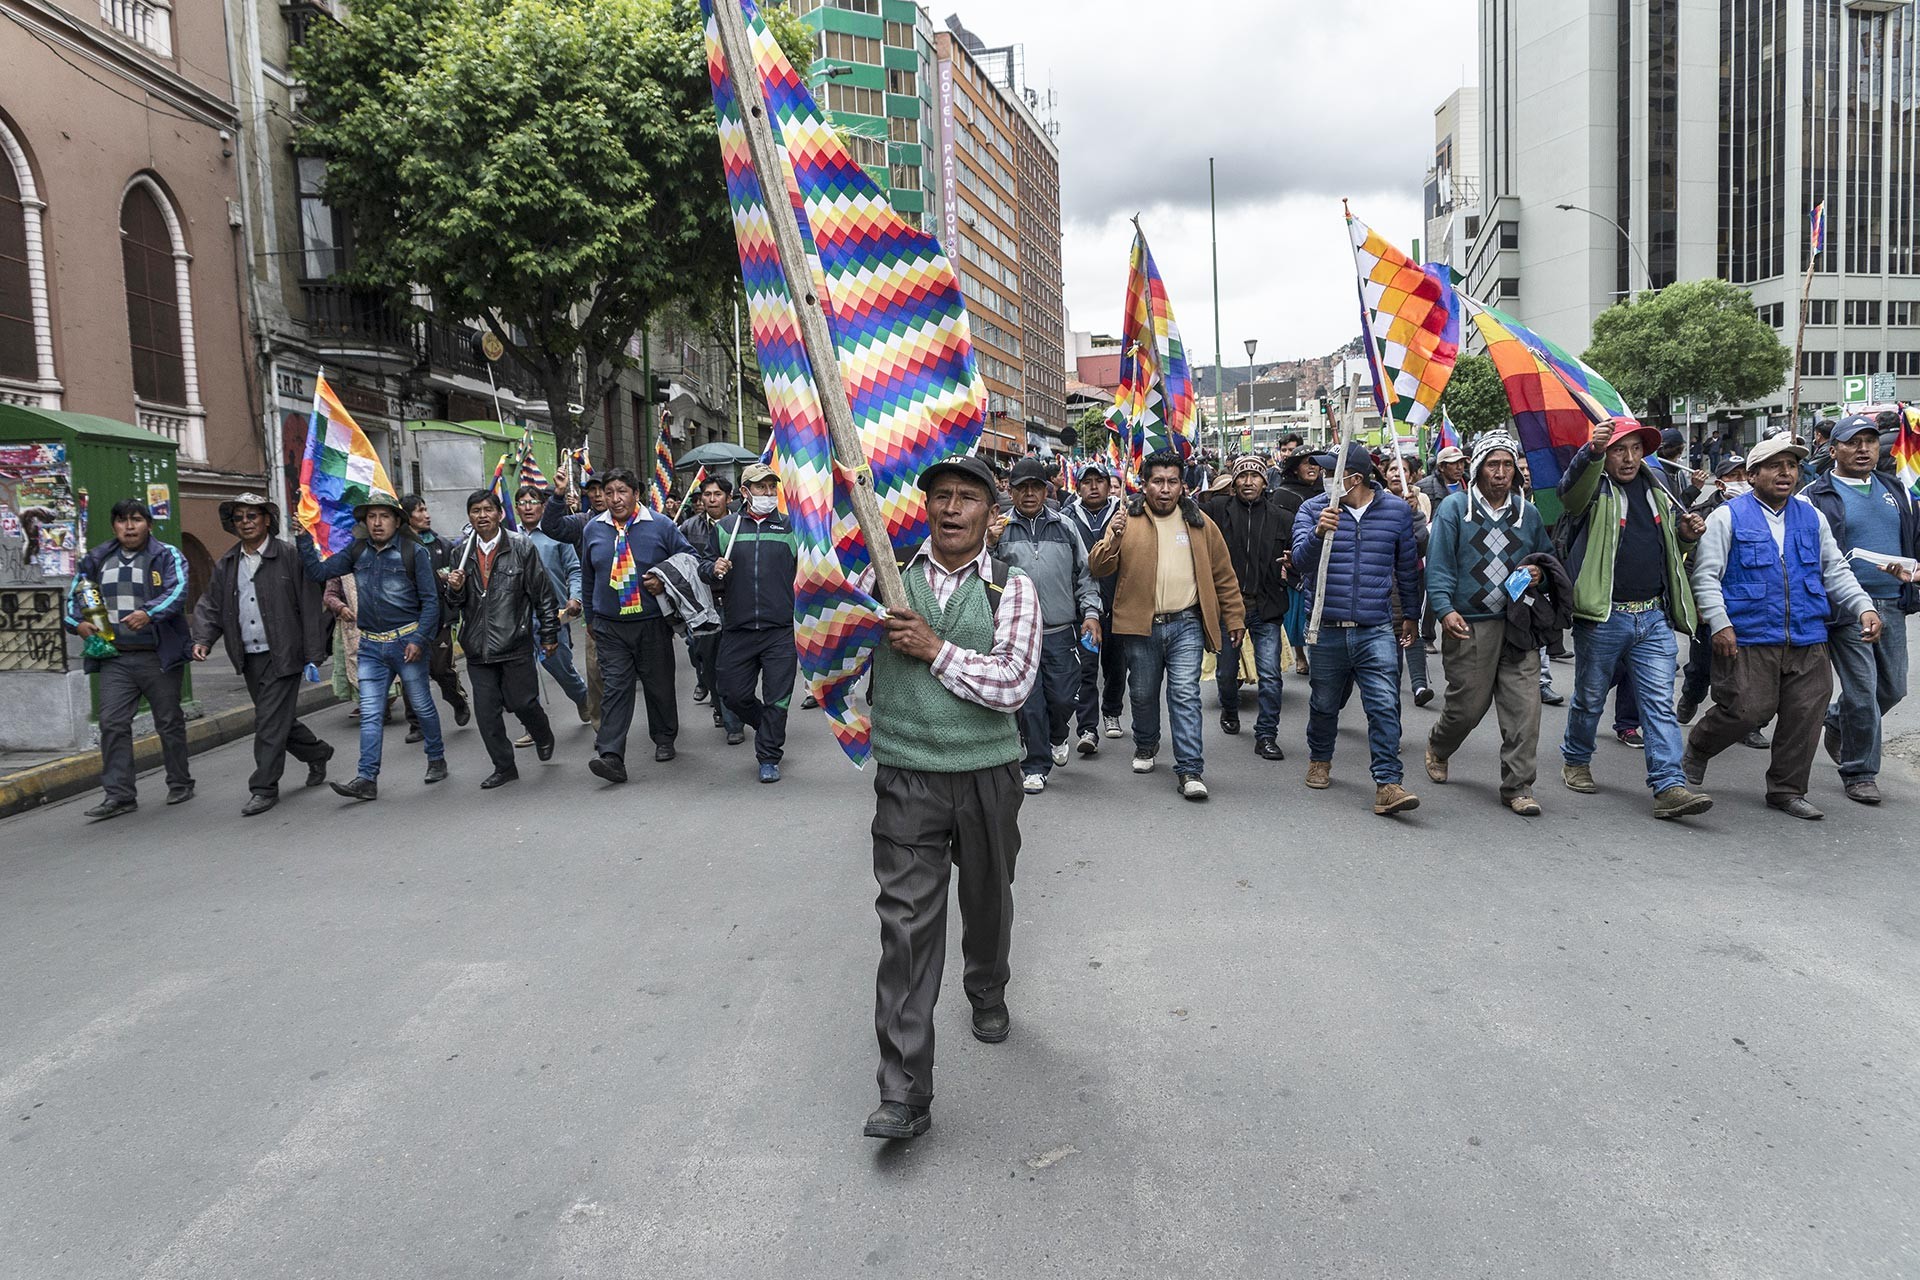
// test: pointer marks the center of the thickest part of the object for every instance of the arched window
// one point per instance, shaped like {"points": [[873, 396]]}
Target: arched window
{"points": [[153, 300], [26, 323]]}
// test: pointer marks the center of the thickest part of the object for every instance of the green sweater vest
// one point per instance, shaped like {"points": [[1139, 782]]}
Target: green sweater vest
{"points": [[917, 724]]}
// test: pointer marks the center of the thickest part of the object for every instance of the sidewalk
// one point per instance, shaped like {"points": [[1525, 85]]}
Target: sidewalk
{"points": [[219, 713]]}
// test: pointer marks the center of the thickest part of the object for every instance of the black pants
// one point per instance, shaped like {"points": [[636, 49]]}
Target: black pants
{"points": [[924, 824], [704, 651], [498, 687], [124, 680], [765, 657], [440, 667], [1103, 679], [277, 729], [634, 652]]}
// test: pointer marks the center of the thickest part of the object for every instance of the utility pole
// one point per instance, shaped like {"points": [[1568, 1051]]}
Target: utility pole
{"points": [[1219, 365]]}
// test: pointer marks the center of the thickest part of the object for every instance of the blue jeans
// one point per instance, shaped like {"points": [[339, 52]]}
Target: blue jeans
{"points": [[1047, 713], [1873, 680], [1364, 656], [1644, 642], [380, 662], [1266, 665], [560, 666], [1174, 649]]}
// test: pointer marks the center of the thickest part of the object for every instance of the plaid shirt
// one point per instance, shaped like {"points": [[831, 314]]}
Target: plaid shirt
{"points": [[1000, 680]]}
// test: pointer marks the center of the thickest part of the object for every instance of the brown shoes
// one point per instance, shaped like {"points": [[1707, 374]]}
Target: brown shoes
{"points": [[1525, 805], [1436, 765], [1391, 798], [1319, 774]]}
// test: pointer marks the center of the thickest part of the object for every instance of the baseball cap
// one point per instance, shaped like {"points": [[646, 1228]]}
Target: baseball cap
{"points": [[1452, 453], [1852, 425], [1029, 471], [973, 468], [1773, 447], [1672, 439], [1095, 469], [1359, 460], [757, 472], [1728, 465]]}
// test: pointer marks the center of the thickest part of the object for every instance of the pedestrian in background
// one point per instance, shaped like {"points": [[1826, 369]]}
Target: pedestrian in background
{"points": [[1103, 674], [755, 660], [440, 655]]}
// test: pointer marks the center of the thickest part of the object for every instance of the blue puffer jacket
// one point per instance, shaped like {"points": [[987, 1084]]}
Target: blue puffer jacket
{"points": [[1372, 558]]}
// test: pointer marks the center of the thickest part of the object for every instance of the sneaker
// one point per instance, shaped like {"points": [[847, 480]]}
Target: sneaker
{"points": [[1319, 774], [1142, 764], [1678, 802], [1578, 777], [1110, 725], [1390, 798], [1059, 755], [524, 741], [1191, 788], [1757, 740], [1422, 696], [1549, 697], [1631, 738], [1033, 783], [1830, 739], [769, 771], [1436, 765], [1089, 743], [1524, 805]]}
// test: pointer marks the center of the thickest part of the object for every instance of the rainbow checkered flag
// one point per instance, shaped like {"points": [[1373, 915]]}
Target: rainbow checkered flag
{"points": [[502, 490], [530, 472], [899, 327], [1906, 448], [1156, 382], [338, 472], [662, 476], [1412, 315]]}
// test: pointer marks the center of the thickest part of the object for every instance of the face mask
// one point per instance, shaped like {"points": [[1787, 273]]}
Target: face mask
{"points": [[1735, 488], [763, 504]]}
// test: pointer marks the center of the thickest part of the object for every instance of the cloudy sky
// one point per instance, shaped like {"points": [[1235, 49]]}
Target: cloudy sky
{"points": [[1300, 104]]}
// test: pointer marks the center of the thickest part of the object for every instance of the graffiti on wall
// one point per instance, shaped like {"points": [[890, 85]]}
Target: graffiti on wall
{"points": [[31, 635]]}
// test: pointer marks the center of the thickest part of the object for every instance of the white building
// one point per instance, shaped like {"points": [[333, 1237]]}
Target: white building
{"points": [[1702, 132], [1453, 183]]}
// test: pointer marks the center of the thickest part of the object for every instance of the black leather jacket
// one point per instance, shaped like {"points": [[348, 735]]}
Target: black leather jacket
{"points": [[497, 622]]}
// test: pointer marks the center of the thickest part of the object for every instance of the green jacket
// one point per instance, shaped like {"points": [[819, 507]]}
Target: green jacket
{"points": [[1594, 506]]}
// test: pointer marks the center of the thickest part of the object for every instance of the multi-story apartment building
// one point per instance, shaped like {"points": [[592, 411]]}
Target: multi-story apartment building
{"points": [[120, 257], [1690, 139], [1004, 243], [1452, 189], [872, 72]]}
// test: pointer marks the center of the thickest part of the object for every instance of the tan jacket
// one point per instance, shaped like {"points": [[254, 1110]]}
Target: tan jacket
{"points": [[1136, 554]]}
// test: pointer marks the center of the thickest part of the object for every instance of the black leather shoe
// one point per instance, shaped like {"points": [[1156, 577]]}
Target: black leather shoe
{"points": [[544, 749], [1795, 807], [1757, 740], [436, 771], [258, 804], [180, 795], [608, 768], [1229, 722], [990, 1026], [500, 778], [1422, 696], [111, 809], [317, 771], [462, 712], [1268, 749], [358, 789], [662, 752], [896, 1120], [415, 733], [735, 737]]}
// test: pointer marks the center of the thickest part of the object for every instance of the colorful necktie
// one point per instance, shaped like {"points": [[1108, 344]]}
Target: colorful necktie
{"points": [[624, 580]]}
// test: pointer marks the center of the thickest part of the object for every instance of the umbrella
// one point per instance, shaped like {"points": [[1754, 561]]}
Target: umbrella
{"points": [[717, 454]]}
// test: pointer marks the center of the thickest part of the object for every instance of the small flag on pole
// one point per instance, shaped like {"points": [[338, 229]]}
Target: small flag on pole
{"points": [[1817, 231], [338, 472], [530, 472], [662, 476], [1906, 448], [500, 489]]}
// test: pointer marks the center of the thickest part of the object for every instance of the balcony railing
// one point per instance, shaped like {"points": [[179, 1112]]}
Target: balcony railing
{"points": [[146, 24], [301, 17], [452, 348], [360, 317]]}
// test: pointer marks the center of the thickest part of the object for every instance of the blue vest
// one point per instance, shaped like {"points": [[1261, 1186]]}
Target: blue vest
{"points": [[1770, 602]]}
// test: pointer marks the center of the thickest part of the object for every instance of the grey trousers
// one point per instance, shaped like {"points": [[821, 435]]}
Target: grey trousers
{"points": [[124, 680], [277, 729], [924, 824], [1480, 675], [1759, 683]]}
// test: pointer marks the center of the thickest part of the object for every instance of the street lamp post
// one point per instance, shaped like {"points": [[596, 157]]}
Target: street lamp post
{"points": [[1251, 344], [1646, 272]]}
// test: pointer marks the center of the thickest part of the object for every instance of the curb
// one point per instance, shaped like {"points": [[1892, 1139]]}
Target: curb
{"points": [[60, 779]]}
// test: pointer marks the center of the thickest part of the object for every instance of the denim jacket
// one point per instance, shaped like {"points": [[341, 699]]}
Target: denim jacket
{"points": [[396, 582]]}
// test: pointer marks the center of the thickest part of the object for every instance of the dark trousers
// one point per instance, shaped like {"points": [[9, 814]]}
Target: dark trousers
{"points": [[499, 687], [705, 654], [924, 825], [277, 729], [1759, 683], [1699, 668], [765, 657], [1048, 710], [124, 680], [635, 654], [440, 667], [1103, 679]]}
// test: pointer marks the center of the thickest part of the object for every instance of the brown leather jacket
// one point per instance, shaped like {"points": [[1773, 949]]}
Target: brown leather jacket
{"points": [[1135, 555]]}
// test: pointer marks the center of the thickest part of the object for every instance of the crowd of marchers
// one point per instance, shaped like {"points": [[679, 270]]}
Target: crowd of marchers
{"points": [[1750, 587]]}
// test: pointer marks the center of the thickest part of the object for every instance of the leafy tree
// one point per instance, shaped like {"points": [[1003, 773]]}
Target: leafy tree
{"points": [[1092, 429], [546, 168], [1475, 399], [1699, 339]]}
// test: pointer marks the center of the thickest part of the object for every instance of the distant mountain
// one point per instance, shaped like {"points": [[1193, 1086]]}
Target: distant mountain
{"points": [[1310, 374]]}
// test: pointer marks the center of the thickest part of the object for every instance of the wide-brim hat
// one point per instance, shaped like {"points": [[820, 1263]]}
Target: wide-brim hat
{"points": [[1650, 437], [974, 469], [250, 500]]}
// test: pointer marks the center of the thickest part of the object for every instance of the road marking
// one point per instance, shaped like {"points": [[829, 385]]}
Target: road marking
{"points": [[101, 1037], [333, 1131]]}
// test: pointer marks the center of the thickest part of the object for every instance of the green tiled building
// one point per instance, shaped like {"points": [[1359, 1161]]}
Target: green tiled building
{"points": [[873, 72]]}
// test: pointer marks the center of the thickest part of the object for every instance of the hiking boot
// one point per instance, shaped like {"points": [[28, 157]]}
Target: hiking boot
{"points": [[1436, 765], [1390, 798], [1319, 774], [1525, 805], [1578, 777], [1678, 802]]}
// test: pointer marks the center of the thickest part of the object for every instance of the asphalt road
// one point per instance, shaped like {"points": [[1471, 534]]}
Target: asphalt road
{"points": [[560, 1030]]}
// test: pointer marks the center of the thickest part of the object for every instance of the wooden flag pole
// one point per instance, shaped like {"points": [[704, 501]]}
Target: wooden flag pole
{"points": [[815, 336], [1339, 476]]}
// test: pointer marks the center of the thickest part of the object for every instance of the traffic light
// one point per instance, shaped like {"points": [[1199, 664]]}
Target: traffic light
{"points": [[657, 389]]}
